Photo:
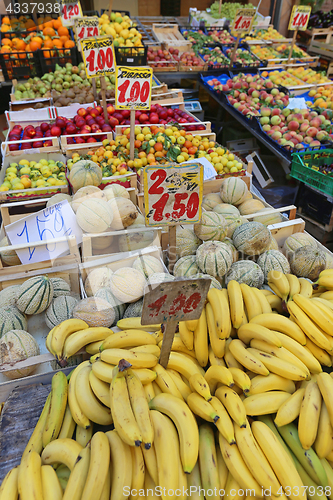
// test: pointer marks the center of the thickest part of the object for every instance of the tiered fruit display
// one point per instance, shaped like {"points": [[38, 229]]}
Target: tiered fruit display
{"points": [[214, 57], [30, 174], [221, 36], [121, 29], [308, 75], [283, 77], [159, 58], [243, 57], [297, 53], [323, 97], [265, 52]]}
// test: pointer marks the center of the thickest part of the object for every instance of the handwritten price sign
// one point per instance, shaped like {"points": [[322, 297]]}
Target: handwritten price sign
{"points": [[70, 10], [173, 194], [98, 56], [243, 20], [133, 87], [54, 222], [299, 18], [86, 27]]}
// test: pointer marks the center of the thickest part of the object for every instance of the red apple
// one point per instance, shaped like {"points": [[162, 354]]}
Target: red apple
{"points": [[55, 131], [60, 122]]}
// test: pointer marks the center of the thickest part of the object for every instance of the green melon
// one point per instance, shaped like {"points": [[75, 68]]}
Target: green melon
{"points": [[148, 265], [214, 282], [226, 209], [212, 226], [268, 219], [214, 258], [60, 287], [252, 238], [234, 250], [210, 201], [18, 345], [298, 240], [134, 310], [233, 190], [273, 260], [8, 295], [186, 267], [119, 308], [35, 295], [60, 309], [12, 319], [186, 241], [232, 223], [246, 271], [308, 262]]}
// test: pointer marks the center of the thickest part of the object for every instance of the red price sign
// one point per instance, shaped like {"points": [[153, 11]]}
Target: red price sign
{"points": [[173, 194], [133, 87], [98, 56], [243, 20], [86, 27], [70, 10], [299, 18]]}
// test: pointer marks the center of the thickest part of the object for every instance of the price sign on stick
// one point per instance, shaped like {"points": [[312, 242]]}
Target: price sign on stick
{"points": [[86, 27], [98, 56], [243, 20], [299, 18], [70, 10], [133, 87], [171, 302]]}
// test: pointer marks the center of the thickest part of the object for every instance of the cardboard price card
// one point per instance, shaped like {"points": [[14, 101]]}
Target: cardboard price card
{"points": [[299, 18], [133, 87], [98, 56], [243, 20], [70, 10], [86, 27], [173, 194]]}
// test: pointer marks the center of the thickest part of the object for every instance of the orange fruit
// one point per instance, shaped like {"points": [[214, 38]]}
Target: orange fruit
{"points": [[158, 146], [7, 42], [62, 30], [69, 44]]}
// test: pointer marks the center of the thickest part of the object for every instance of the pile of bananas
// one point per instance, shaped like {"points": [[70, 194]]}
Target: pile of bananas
{"points": [[242, 405]]}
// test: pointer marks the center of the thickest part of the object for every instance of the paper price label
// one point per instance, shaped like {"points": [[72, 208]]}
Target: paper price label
{"points": [[133, 87], [299, 18], [70, 10], [86, 27], [173, 194], [98, 56], [243, 20]]}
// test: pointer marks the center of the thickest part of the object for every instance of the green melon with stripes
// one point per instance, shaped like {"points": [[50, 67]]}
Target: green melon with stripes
{"points": [[268, 219], [94, 215], [233, 190], [252, 238], [12, 319], [246, 271], [232, 223], [60, 309], [214, 258], [186, 267], [60, 287], [273, 260], [186, 241], [85, 173], [212, 226], [35, 295], [18, 345], [214, 282], [226, 209], [106, 294], [8, 295], [210, 201], [308, 262]]}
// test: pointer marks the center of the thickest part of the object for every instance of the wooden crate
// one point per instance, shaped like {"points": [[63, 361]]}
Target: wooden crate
{"points": [[170, 35], [319, 35], [22, 105], [47, 149], [65, 146]]}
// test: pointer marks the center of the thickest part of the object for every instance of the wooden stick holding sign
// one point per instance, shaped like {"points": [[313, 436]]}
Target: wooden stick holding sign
{"points": [[233, 54], [103, 94], [171, 302], [292, 46], [132, 133]]}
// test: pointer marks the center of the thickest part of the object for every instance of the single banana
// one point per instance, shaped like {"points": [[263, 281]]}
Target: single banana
{"points": [[264, 304], [246, 358], [135, 324], [279, 283], [305, 288], [138, 470], [166, 382], [309, 414], [329, 472], [233, 404], [184, 365], [59, 391], [220, 309], [63, 331], [48, 342], [150, 462], [62, 471], [35, 442], [308, 326], [324, 305], [94, 347], [318, 353], [121, 466], [68, 425], [290, 409], [150, 349], [222, 468], [194, 483], [179, 346], [322, 319], [83, 436], [218, 374], [227, 328], [140, 407], [200, 340], [50, 483], [64, 451], [81, 338], [251, 331], [186, 335], [106, 491], [325, 384], [278, 365], [199, 384], [30, 477], [78, 416], [100, 389], [281, 324], [307, 481], [98, 467], [192, 324], [236, 303], [326, 281], [102, 370], [224, 422], [300, 352], [233, 489], [265, 403], [202, 408], [294, 285], [213, 360], [186, 425], [149, 391], [241, 379], [9, 486], [89, 404], [251, 302], [208, 461], [272, 382], [229, 360], [128, 338], [324, 440], [217, 344], [327, 295], [275, 302], [179, 383], [137, 359]]}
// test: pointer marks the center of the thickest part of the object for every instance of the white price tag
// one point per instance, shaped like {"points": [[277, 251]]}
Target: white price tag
{"points": [[133, 87], [70, 10], [86, 27], [98, 56]]}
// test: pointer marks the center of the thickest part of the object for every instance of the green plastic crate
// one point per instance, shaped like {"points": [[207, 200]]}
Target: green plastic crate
{"points": [[301, 169]]}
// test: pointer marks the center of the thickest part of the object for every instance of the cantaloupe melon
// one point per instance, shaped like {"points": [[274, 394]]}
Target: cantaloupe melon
{"points": [[35, 295], [18, 345], [186, 267], [60, 287], [160, 278], [246, 271], [58, 198], [298, 240], [226, 209], [124, 213], [11, 318], [273, 245], [233, 190], [232, 223], [119, 308], [8, 257], [127, 284], [116, 191], [94, 215], [307, 262], [235, 254], [273, 260], [212, 226], [8, 295], [86, 193], [251, 207], [148, 265], [214, 282], [135, 241], [252, 238], [186, 241], [248, 196], [60, 309], [268, 219], [211, 200], [96, 279], [95, 312], [214, 258], [85, 173], [134, 310]]}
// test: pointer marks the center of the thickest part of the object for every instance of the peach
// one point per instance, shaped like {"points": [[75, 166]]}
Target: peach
{"points": [[312, 131], [293, 125], [316, 122], [275, 120]]}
